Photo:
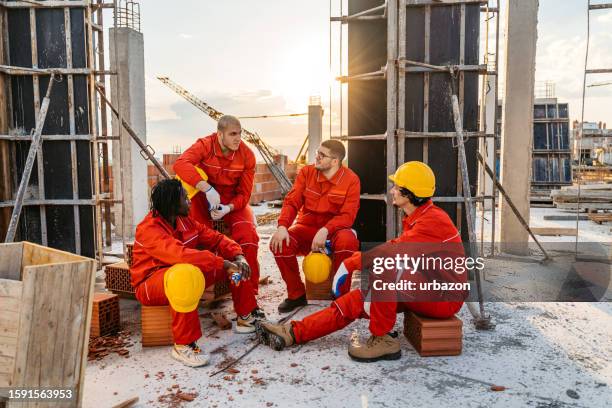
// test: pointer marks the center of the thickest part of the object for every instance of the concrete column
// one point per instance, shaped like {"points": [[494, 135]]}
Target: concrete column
{"points": [[128, 95], [487, 146], [315, 128], [517, 131]]}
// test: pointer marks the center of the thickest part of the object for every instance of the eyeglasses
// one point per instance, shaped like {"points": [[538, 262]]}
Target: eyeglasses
{"points": [[323, 155]]}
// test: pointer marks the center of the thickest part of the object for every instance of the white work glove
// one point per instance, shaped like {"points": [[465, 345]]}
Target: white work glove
{"points": [[213, 197], [220, 212]]}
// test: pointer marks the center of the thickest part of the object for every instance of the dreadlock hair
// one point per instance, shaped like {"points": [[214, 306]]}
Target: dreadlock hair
{"points": [[166, 198], [414, 200]]}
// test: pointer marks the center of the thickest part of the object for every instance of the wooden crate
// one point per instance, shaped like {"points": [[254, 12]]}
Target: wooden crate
{"points": [[156, 322], [117, 278], [46, 297], [105, 315], [319, 291], [434, 337]]}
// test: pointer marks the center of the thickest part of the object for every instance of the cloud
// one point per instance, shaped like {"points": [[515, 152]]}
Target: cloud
{"points": [[185, 36], [605, 17]]}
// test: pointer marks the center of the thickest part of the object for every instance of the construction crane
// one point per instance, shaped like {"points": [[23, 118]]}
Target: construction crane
{"points": [[266, 151]]}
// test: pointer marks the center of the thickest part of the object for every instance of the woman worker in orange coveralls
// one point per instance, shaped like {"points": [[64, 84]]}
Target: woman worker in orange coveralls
{"points": [[424, 223], [175, 257]]}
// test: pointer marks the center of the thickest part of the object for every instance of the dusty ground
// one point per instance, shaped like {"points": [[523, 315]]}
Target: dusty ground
{"points": [[545, 354]]}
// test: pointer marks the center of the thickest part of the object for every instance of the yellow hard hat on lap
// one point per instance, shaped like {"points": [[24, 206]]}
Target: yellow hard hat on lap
{"points": [[317, 267], [417, 177], [184, 285]]}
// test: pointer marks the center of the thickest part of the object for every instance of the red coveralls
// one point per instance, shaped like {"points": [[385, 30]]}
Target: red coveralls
{"points": [[232, 177], [427, 223], [158, 246], [318, 202]]}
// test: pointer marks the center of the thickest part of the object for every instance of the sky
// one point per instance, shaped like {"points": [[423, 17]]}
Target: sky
{"points": [[267, 57]]}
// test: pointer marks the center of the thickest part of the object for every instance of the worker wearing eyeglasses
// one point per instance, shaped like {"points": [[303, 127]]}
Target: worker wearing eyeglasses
{"points": [[323, 203]]}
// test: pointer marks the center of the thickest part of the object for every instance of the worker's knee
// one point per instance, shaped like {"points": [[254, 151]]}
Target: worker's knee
{"points": [[244, 232], [286, 250], [350, 305], [345, 240]]}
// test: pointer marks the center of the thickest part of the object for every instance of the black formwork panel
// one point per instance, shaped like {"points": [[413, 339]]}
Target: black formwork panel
{"points": [[61, 223], [367, 113]]}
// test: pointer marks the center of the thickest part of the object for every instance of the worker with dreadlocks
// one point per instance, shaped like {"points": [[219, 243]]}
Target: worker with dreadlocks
{"points": [[176, 257], [220, 169], [424, 223]]}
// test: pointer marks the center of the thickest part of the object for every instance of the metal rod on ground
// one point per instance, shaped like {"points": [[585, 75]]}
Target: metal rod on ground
{"points": [[27, 170], [511, 204], [144, 148], [482, 321], [257, 343]]}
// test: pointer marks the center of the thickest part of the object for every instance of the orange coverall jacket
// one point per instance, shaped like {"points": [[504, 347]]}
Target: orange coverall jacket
{"points": [[314, 200]]}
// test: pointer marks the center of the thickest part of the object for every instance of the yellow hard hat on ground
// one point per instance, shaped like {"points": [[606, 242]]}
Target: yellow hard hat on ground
{"points": [[417, 177], [317, 267], [191, 190], [184, 285]]}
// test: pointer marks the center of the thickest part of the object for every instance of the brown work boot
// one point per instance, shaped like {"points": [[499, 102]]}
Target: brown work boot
{"points": [[376, 348], [276, 336]]}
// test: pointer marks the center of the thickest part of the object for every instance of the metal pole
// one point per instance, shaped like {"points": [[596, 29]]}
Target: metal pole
{"points": [[511, 204], [483, 321], [144, 148], [27, 170]]}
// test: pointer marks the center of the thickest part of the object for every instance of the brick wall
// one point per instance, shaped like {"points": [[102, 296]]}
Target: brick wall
{"points": [[265, 187]]}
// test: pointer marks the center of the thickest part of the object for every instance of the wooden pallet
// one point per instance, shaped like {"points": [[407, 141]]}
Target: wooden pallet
{"points": [[105, 315], [434, 337], [600, 218]]}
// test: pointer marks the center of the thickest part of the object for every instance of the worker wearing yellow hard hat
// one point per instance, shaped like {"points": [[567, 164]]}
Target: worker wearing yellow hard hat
{"points": [[414, 186]]}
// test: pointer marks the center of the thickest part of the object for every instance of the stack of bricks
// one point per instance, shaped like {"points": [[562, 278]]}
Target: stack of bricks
{"points": [[117, 277], [105, 318], [434, 337], [129, 250], [156, 322]]}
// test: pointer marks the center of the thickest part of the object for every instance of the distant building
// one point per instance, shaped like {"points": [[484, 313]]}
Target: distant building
{"points": [[595, 147], [552, 155]]}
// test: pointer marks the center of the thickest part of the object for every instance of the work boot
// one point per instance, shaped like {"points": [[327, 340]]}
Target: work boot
{"points": [[190, 354], [276, 336], [289, 304], [246, 324], [376, 348]]}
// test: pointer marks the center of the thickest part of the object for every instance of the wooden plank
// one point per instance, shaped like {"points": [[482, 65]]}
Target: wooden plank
{"points": [[10, 267], [34, 254], [552, 231]]}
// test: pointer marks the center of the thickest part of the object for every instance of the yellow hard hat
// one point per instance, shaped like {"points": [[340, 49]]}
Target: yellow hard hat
{"points": [[317, 267], [417, 177], [184, 285], [191, 190]]}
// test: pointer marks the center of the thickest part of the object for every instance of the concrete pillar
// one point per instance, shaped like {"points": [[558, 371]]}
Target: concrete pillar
{"points": [[315, 127], [128, 95], [517, 131], [487, 146]]}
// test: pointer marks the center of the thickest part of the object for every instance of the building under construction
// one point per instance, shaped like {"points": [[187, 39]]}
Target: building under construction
{"points": [[418, 80]]}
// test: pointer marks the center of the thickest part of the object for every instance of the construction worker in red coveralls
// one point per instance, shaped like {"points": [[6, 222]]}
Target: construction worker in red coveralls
{"points": [[175, 258], [221, 168], [424, 223], [325, 200]]}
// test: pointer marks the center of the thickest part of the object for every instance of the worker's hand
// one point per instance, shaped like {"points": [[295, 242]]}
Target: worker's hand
{"points": [[243, 265], [229, 267], [213, 197], [276, 242], [220, 212], [318, 242]]}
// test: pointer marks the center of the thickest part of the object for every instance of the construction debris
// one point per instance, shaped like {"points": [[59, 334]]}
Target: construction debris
{"points": [[551, 231], [267, 218], [592, 197], [100, 347], [221, 320], [175, 397], [600, 218]]}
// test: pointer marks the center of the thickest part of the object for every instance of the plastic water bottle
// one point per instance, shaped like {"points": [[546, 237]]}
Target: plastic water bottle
{"points": [[328, 248], [236, 277]]}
